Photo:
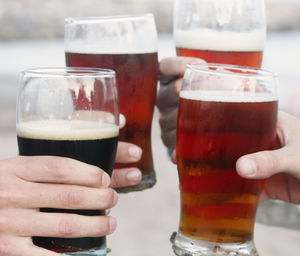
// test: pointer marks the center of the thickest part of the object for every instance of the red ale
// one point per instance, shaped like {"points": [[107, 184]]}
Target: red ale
{"points": [[213, 131], [136, 75]]}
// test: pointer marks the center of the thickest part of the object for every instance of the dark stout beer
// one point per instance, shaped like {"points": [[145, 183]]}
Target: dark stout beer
{"points": [[136, 75], [214, 129], [85, 141]]}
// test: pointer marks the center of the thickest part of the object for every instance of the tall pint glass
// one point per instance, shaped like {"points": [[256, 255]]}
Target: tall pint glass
{"points": [[224, 113], [69, 112], [228, 32], [128, 45]]}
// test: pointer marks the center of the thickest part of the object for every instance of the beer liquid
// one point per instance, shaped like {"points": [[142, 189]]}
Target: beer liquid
{"points": [[95, 146], [136, 75], [248, 59], [217, 205]]}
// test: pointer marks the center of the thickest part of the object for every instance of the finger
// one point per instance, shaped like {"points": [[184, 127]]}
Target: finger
{"points": [[125, 177], [169, 138], [67, 225], [168, 96], [173, 157], [128, 153], [175, 66], [122, 120], [16, 246], [168, 120], [65, 197], [61, 170], [267, 163]]}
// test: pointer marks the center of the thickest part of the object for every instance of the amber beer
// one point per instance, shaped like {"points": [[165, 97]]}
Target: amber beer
{"points": [[243, 49], [136, 75], [85, 141], [214, 130]]}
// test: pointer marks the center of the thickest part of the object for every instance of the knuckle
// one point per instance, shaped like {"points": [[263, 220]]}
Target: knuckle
{"points": [[71, 197], [96, 177], [108, 198], [67, 226], [267, 163]]}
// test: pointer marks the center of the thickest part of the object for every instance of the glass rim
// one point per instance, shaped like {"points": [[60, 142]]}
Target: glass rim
{"points": [[70, 72], [222, 69], [98, 19]]}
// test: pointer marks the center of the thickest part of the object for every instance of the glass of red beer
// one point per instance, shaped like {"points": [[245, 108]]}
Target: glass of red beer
{"points": [[128, 45], [224, 112], [228, 32], [69, 112]]}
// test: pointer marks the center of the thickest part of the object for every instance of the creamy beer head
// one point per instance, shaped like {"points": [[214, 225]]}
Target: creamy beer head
{"points": [[124, 34], [219, 40], [67, 130]]}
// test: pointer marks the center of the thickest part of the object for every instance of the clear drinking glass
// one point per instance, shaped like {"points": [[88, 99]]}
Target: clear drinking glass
{"points": [[69, 112], [228, 32], [224, 112], [128, 45]]}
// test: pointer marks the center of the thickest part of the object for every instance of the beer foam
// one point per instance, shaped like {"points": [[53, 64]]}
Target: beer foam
{"points": [[213, 40], [67, 130], [112, 36], [227, 96]]}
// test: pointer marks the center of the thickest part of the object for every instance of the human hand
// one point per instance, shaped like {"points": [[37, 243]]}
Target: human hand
{"points": [[281, 167], [171, 72], [30, 183], [126, 153]]}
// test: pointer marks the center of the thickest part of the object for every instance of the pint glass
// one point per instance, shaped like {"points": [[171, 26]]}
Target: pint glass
{"points": [[228, 32], [128, 45], [224, 112], [73, 113]]}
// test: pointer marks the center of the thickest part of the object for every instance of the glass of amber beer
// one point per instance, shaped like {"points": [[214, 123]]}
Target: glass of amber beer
{"points": [[128, 45], [228, 32], [69, 112], [224, 112]]}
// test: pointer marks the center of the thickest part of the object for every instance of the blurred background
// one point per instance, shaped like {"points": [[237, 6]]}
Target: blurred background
{"points": [[31, 35]]}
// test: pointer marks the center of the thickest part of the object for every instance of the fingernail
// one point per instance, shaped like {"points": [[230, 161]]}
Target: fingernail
{"points": [[134, 176], [105, 179], [112, 224], [115, 199], [135, 152], [247, 167]]}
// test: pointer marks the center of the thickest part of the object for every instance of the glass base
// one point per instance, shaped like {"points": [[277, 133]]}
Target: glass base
{"points": [[185, 246], [148, 181], [93, 252]]}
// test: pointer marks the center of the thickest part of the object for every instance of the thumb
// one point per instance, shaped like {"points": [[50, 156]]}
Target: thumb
{"points": [[267, 163]]}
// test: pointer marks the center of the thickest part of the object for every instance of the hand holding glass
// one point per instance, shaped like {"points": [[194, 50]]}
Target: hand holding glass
{"points": [[224, 112]]}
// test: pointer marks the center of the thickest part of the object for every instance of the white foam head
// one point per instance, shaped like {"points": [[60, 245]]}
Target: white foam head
{"points": [[227, 96], [214, 40], [67, 130], [111, 35]]}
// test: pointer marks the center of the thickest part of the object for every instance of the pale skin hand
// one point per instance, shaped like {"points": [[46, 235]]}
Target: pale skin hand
{"points": [[126, 153], [281, 167], [30, 183]]}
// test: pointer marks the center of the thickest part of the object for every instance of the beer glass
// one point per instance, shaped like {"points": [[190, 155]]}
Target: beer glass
{"points": [[224, 112], [228, 32], [69, 112], [128, 45]]}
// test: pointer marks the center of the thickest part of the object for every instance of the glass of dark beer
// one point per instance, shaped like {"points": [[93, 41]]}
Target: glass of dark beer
{"points": [[228, 32], [224, 112], [128, 45], [69, 112]]}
